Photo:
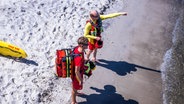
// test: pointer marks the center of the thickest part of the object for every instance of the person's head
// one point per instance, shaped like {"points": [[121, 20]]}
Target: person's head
{"points": [[83, 42], [110, 88], [94, 14]]}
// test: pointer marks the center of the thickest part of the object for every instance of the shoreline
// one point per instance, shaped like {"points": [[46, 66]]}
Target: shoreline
{"points": [[172, 67], [130, 61]]}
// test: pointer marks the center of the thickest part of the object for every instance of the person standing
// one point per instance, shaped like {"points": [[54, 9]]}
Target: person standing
{"points": [[93, 30], [77, 79]]}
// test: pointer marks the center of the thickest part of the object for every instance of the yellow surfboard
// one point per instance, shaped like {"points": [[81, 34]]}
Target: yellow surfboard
{"points": [[7, 49]]}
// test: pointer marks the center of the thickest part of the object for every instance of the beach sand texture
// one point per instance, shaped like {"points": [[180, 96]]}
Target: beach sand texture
{"points": [[128, 67]]}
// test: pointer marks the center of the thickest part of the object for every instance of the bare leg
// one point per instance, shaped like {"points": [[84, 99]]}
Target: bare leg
{"points": [[94, 55], [74, 92], [88, 54]]}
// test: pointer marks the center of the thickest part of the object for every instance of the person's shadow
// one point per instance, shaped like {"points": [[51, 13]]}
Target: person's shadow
{"points": [[121, 67], [107, 95]]}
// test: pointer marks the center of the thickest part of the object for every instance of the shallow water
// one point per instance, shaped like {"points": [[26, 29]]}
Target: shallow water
{"points": [[173, 66], [33, 19]]}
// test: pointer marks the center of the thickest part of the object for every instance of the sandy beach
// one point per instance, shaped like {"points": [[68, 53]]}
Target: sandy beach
{"points": [[128, 67], [133, 66]]}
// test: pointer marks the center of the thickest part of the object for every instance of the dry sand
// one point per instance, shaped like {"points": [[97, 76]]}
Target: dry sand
{"points": [[128, 70]]}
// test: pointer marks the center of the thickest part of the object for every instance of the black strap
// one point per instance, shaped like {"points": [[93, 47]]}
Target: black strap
{"points": [[74, 54], [99, 23]]}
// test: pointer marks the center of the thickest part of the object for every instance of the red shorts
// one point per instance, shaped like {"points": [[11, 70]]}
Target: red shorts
{"points": [[76, 85], [91, 46]]}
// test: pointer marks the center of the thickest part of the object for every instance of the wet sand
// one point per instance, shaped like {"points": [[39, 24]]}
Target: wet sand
{"points": [[128, 67]]}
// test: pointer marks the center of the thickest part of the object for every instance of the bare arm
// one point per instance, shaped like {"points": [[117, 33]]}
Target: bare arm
{"points": [[78, 75]]}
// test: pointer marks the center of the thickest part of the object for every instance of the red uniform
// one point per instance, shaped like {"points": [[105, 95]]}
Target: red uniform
{"points": [[78, 61], [91, 46]]}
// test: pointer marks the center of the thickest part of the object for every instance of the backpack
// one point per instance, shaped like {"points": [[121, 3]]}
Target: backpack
{"points": [[65, 62]]}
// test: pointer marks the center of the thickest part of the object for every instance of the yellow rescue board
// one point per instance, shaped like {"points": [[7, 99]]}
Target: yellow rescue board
{"points": [[7, 49]]}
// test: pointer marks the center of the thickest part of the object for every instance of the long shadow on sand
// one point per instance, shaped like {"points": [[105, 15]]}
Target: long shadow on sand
{"points": [[28, 62], [107, 95], [121, 67], [25, 61]]}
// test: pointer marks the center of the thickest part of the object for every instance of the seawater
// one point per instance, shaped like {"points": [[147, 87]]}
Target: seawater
{"points": [[173, 66]]}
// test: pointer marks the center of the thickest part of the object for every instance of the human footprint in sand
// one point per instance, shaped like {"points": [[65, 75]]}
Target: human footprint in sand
{"points": [[93, 30]]}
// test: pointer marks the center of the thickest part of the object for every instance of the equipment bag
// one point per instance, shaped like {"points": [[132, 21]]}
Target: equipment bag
{"points": [[64, 62], [89, 66]]}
